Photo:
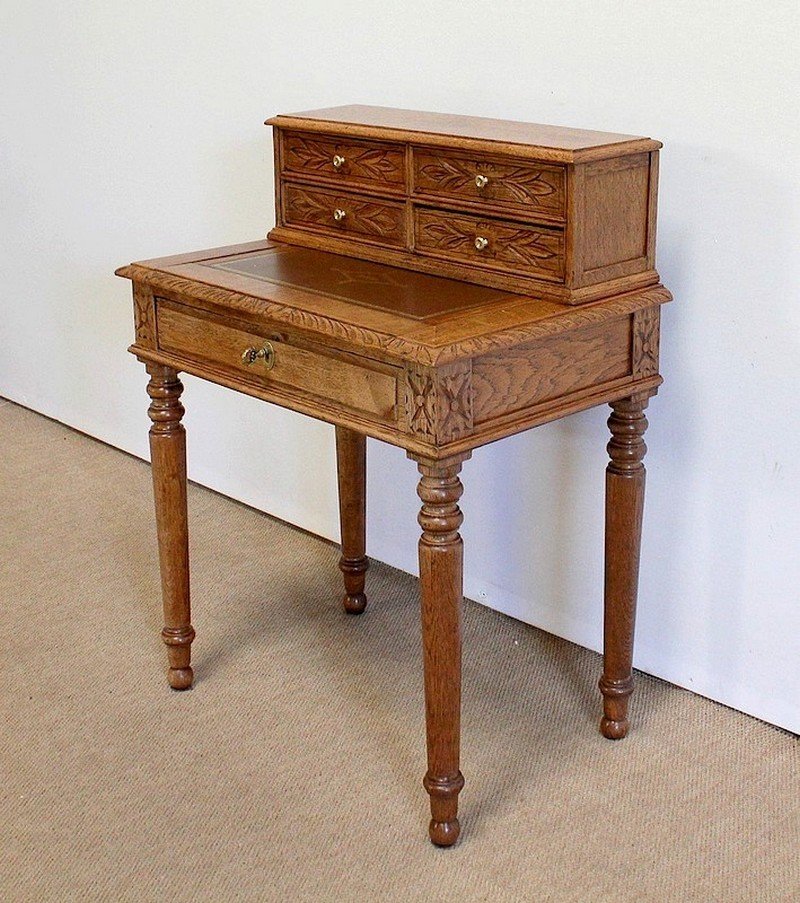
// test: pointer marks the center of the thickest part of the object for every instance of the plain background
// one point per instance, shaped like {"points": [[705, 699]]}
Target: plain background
{"points": [[134, 130]]}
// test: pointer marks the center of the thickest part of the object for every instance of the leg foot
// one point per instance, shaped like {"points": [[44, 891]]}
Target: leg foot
{"points": [[625, 479], [351, 462]]}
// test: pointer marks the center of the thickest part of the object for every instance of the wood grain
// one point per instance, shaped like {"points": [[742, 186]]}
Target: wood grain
{"points": [[558, 366]]}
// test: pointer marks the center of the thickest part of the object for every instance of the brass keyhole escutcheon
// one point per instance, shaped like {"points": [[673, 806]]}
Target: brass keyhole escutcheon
{"points": [[481, 181], [481, 243], [266, 354], [339, 214], [338, 161]]}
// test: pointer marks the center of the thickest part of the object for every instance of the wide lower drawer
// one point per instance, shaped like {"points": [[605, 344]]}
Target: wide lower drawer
{"points": [[344, 214], [265, 360], [494, 244], [370, 164], [533, 187]]}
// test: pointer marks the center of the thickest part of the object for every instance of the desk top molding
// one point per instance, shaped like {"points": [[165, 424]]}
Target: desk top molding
{"points": [[451, 338]]}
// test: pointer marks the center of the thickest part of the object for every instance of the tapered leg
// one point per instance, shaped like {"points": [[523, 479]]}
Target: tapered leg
{"points": [[351, 461], [625, 479], [440, 570], [168, 455]]}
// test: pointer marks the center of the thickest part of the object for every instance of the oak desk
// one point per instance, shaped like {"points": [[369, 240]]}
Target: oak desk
{"points": [[438, 283]]}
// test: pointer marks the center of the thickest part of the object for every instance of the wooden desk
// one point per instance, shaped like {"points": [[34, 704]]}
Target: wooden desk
{"points": [[370, 331]]}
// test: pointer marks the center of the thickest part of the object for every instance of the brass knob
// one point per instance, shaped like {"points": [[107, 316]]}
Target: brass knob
{"points": [[480, 242], [266, 354], [339, 214], [481, 181], [338, 161]]}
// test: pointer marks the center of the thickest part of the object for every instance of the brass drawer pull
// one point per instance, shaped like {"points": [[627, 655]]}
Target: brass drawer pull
{"points": [[481, 243], [339, 214], [481, 181], [266, 354], [338, 161]]}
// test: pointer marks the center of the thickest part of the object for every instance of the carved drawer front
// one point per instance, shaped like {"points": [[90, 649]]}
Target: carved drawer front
{"points": [[350, 215], [363, 163], [270, 361], [494, 244], [537, 188]]}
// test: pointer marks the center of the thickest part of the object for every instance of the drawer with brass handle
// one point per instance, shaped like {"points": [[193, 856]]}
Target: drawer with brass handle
{"points": [[277, 363], [537, 188], [337, 213], [363, 163], [497, 244]]}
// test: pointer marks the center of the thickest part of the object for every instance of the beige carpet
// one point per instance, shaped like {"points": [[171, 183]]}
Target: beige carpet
{"points": [[292, 770]]}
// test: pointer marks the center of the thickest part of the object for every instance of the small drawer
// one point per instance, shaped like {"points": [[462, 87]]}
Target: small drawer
{"points": [[363, 163], [269, 361], [343, 214], [494, 244], [537, 188]]}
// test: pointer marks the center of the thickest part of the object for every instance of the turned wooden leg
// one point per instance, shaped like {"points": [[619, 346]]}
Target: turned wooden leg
{"points": [[168, 455], [625, 478], [351, 461], [440, 571]]}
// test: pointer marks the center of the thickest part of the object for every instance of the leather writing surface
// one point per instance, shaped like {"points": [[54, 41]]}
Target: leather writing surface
{"points": [[415, 295]]}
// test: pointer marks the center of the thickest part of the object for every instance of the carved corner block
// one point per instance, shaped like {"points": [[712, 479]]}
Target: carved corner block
{"points": [[646, 329], [438, 402], [144, 315]]}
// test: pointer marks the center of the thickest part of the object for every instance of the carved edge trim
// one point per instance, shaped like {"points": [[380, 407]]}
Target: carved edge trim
{"points": [[404, 349]]}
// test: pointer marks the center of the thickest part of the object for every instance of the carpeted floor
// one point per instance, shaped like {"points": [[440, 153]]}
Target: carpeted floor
{"points": [[291, 772]]}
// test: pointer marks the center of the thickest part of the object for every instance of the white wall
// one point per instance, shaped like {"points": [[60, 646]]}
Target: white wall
{"points": [[133, 130]]}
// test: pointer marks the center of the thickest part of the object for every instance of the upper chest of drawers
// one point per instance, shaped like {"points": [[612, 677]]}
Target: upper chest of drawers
{"points": [[564, 213]]}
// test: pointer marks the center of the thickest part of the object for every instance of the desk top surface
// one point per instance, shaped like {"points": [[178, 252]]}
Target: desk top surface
{"points": [[392, 309]]}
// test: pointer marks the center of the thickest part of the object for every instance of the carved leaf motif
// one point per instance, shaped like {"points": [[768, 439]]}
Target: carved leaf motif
{"points": [[374, 162], [520, 245], [446, 235], [523, 184], [455, 404], [361, 216], [527, 247], [311, 154], [420, 404], [527, 185], [143, 317], [645, 342]]}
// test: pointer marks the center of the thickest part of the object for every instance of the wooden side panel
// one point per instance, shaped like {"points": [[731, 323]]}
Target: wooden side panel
{"points": [[561, 365], [612, 218]]}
